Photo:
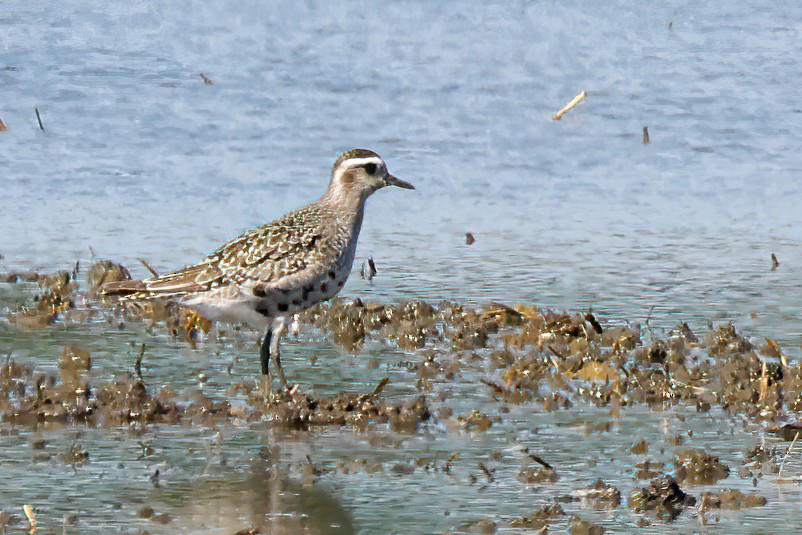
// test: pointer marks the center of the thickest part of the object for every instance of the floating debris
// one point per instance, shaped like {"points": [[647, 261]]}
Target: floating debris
{"points": [[729, 499], [640, 447], [476, 421], [584, 527], [590, 318], [5, 519], [537, 475], [540, 517], [576, 100], [145, 512], [56, 298], [30, 514], [787, 453], [368, 270], [663, 498], [75, 455], [697, 467], [39, 119], [600, 495]]}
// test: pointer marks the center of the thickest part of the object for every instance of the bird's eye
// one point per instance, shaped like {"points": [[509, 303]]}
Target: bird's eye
{"points": [[370, 168]]}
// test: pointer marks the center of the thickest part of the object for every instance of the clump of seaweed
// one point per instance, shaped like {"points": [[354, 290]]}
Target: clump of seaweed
{"points": [[697, 467], [104, 271], [539, 518], [599, 495], [28, 397], [579, 526], [297, 410], [662, 499], [55, 297], [729, 499], [530, 355]]}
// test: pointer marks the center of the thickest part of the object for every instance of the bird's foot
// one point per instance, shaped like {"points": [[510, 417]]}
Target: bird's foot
{"points": [[284, 392]]}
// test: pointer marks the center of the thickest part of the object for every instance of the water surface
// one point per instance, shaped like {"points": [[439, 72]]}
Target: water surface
{"points": [[140, 159]]}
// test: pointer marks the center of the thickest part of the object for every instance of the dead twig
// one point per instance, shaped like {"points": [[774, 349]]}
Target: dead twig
{"points": [[540, 461], [148, 267], [499, 390], [590, 318], [39, 119], [487, 472], [30, 514], [577, 99], [782, 464], [377, 390], [138, 363]]}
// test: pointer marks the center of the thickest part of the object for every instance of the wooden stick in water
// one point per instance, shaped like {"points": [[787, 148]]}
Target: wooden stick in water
{"points": [[577, 99], [39, 119], [148, 267], [782, 464]]}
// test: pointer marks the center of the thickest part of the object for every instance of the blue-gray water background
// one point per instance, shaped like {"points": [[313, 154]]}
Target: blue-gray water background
{"points": [[140, 159]]}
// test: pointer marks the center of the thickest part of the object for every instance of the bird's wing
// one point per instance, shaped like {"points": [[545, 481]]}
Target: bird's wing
{"points": [[287, 246], [276, 250]]}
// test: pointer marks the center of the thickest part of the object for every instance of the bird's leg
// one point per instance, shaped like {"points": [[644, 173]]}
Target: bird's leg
{"points": [[275, 332], [264, 351]]}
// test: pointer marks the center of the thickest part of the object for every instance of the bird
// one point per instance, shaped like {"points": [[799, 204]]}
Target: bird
{"points": [[267, 274]]}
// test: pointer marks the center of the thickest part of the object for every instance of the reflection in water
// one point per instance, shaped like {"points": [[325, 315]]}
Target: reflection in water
{"points": [[264, 502]]}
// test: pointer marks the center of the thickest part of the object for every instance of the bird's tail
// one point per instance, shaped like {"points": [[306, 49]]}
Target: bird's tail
{"points": [[125, 288], [170, 285]]}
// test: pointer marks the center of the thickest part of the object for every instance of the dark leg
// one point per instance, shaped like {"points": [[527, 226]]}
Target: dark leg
{"points": [[264, 351], [278, 328], [270, 349]]}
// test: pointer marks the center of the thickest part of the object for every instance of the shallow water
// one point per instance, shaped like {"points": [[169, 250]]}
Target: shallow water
{"points": [[140, 159]]}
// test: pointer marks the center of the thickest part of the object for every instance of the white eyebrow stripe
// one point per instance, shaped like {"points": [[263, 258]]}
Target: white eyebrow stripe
{"points": [[356, 162], [359, 162]]}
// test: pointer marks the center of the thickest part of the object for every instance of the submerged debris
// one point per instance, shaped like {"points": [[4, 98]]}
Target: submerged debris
{"points": [[729, 499], [600, 495], [584, 527], [304, 410], [540, 517], [531, 355], [55, 297], [105, 271], [697, 467], [663, 498]]}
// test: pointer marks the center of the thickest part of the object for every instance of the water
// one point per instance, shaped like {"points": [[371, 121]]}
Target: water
{"points": [[140, 159]]}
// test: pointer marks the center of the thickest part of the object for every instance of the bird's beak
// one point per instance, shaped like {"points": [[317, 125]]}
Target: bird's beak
{"points": [[390, 180]]}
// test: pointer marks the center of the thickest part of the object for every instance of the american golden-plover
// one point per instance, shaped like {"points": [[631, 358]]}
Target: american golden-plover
{"points": [[265, 275]]}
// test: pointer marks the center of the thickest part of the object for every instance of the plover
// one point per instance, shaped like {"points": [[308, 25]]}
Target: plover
{"points": [[265, 275]]}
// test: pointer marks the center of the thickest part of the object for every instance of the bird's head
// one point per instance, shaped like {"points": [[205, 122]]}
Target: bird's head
{"points": [[360, 172]]}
